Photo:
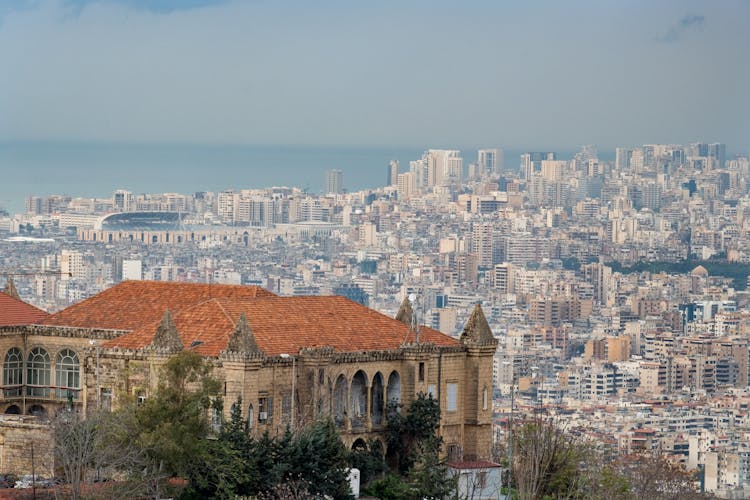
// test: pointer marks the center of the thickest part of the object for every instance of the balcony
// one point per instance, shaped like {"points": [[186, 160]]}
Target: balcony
{"points": [[41, 392]]}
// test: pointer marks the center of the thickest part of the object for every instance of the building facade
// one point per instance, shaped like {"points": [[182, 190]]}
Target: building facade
{"points": [[289, 359]]}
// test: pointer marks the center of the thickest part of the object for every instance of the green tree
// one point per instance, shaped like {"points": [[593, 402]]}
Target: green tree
{"points": [[320, 457], [414, 442], [369, 461], [174, 423], [407, 435]]}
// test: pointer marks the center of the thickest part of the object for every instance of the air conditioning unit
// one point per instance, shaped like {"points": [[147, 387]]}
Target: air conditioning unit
{"points": [[262, 415]]}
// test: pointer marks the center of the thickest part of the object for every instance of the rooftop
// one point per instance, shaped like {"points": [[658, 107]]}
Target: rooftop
{"points": [[132, 304], [286, 325], [205, 316], [17, 312]]}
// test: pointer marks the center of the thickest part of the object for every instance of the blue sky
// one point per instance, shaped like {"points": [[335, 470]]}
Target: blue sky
{"points": [[388, 73]]}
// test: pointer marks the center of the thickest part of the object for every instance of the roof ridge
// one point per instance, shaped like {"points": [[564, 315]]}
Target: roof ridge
{"points": [[224, 310]]}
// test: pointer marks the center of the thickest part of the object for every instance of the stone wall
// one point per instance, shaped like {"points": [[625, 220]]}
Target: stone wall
{"points": [[19, 434]]}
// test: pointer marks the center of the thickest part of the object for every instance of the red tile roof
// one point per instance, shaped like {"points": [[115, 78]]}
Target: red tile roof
{"points": [[479, 464], [131, 304], [285, 325], [18, 312]]}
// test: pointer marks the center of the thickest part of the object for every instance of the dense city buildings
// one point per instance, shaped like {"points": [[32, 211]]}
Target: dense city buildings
{"points": [[613, 285]]}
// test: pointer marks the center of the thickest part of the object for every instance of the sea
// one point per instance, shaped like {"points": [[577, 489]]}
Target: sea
{"points": [[98, 169]]}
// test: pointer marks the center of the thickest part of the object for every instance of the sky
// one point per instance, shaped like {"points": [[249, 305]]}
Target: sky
{"points": [[371, 74]]}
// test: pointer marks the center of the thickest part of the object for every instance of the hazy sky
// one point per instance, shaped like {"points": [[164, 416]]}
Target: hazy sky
{"points": [[378, 73]]}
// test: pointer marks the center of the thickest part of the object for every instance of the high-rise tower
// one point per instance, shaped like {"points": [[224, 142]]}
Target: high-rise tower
{"points": [[334, 181]]}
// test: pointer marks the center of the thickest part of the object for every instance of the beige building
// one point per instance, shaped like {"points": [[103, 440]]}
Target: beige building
{"points": [[290, 359]]}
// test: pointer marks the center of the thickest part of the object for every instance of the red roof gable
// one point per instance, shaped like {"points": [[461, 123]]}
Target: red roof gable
{"points": [[132, 304], [18, 312], [286, 325]]}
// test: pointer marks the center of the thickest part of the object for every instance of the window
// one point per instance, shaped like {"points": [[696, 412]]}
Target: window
{"points": [[482, 479], [67, 374], [265, 409], [215, 418], [250, 416], [454, 452], [452, 403], [38, 373], [484, 399], [432, 391], [105, 398], [13, 373], [421, 371], [140, 398]]}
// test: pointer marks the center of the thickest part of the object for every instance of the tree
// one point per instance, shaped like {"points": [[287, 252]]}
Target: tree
{"points": [[100, 446], [652, 476], [166, 435], [76, 446], [369, 461], [319, 456], [416, 446], [173, 423], [407, 435], [546, 460]]}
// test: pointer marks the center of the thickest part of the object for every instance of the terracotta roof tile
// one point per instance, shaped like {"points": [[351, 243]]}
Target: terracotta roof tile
{"points": [[17, 312], [286, 325], [479, 464], [131, 304]]}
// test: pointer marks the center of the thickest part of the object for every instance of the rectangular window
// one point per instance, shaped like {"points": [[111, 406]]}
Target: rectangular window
{"points": [[215, 419], [454, 452], [421, 371], [452, 402], [432, 391], [105, 395], [263, 409], [482, 479]]}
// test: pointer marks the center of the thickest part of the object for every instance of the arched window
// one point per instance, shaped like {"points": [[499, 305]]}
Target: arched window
{"points": [[358, 400], [339, 401], [377, 403], [38, 373], [67, 374], [393, 392], [13, 373]]}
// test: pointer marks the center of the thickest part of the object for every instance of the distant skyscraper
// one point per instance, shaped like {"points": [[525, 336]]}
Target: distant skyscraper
{"points": [[392, 173], [532, 162], [490, 161], [637, 161], [334, 181], [622, 159], [718, 153], [444, 166]]}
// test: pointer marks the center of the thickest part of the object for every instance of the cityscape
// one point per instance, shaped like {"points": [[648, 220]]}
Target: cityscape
{"points": [[616, 290], [393, 250]]}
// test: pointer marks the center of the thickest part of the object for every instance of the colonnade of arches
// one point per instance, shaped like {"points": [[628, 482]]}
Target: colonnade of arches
{"points": [[362, 403]]}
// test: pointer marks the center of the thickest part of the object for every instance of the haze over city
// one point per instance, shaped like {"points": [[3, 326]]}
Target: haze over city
{"points": [[480, 250], [522, 75]]}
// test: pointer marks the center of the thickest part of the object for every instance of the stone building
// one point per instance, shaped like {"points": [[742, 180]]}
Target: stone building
{"points": [[290, 359]]}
